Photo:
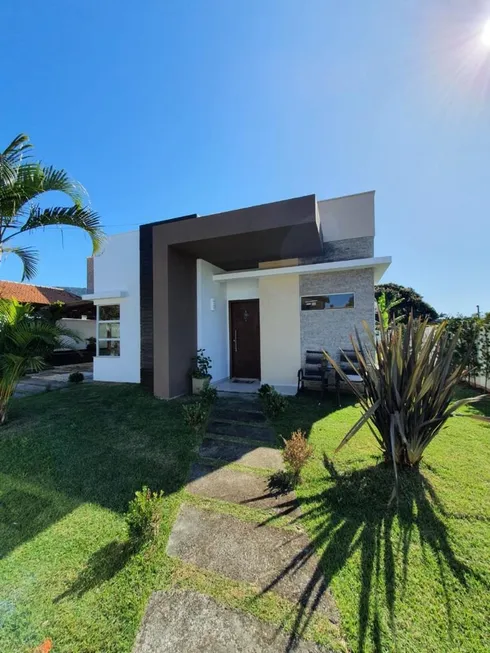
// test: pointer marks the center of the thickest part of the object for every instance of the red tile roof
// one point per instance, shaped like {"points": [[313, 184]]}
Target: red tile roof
{"points": [[28, 293]]}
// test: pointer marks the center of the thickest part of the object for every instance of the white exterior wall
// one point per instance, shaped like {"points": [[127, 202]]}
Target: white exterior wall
{"points": [[84, 328], [242, 289], [117, 268], [280, 341], [212, 334]]}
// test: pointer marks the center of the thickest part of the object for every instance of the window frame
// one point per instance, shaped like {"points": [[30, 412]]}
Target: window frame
{"points": [[329, 308], [113, 321]]}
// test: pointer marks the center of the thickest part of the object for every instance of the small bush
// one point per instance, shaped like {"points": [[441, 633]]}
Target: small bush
{"points": [[76, 377], [296, 453], [144, 515], [208, 395], [274, 403], [196, 415], [264, 390]]}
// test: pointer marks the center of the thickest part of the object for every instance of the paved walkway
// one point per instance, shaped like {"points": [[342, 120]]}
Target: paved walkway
{"points": [[52, 379], [271, 559]]}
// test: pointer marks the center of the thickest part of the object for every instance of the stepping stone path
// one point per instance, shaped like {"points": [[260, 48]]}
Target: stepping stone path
{"points": [[212, 628], [267, 557]]}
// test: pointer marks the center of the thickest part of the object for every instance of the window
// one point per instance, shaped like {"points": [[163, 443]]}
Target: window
{"points": [[108, 330], [322, 302]]}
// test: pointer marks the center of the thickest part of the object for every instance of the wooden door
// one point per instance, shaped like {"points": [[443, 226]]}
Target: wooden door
{"points": [[245, 339]]}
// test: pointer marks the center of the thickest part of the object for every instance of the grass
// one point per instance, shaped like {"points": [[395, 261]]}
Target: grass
{"points": [[413, 578], [410, 579], [69, 464]]}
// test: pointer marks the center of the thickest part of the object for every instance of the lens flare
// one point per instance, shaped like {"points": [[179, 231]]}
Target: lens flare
{"points": [[485, 35]]}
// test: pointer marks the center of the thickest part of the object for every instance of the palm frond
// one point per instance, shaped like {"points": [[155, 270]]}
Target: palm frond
{"points": [[72, 216], [28, 256], [31, 181], [12, 157]]}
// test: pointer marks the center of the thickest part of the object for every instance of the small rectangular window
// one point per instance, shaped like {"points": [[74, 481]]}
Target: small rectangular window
{"points": [[111, 312], [108, 330], [322, 302]]}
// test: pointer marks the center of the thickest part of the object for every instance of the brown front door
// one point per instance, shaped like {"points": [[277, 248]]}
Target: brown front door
{"points": [[245, 339]]}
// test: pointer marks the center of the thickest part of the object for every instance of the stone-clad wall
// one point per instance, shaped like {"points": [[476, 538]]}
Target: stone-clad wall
{"points": [[330, 329], [344, 250]]}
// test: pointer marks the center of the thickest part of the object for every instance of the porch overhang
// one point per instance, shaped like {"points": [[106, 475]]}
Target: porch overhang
{"points": [[232, 241], [379, 264]]}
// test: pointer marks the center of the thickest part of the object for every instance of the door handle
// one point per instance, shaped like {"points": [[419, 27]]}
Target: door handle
{"points": [[235, 342]]}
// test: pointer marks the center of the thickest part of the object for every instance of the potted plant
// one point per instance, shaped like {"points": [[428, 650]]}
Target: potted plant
{"points": [[201, 377]]}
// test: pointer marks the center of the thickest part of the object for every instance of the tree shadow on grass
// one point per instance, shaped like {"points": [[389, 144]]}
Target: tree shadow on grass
{"points": [[352, 516], [103, 565]]}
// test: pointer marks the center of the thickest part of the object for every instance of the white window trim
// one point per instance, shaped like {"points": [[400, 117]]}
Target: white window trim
{"points": [[329, 294], [99, 321]]}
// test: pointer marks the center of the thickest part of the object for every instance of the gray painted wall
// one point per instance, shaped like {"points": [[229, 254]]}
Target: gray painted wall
{"points": [[331, 329], [351, 216]]}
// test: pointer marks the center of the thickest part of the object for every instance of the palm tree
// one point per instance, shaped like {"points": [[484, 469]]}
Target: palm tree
{"points": [[22, 182], [24, 342]]}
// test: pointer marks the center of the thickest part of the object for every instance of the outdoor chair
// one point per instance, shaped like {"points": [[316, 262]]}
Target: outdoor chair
{"points": [[347, 360], [315, 370]]}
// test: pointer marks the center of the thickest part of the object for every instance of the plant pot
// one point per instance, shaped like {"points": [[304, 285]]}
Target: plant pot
{"points": [[198, 385]]}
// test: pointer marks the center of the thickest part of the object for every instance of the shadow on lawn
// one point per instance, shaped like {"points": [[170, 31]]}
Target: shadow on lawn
{"points": [[101, 567], [92, 444], [353, 515]]}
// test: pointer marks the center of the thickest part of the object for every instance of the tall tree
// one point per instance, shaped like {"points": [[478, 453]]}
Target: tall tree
{"points": [[404, 301], [22, 182]]}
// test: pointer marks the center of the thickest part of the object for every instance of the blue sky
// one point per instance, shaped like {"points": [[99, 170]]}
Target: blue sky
{"points": [[164, 108]]}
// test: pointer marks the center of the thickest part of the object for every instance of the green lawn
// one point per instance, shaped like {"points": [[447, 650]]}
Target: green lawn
{"points": [[69, 464], [416, 579]]}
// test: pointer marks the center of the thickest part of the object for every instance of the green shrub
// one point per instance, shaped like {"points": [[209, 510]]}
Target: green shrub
{"points": [[76, 377], [274, 403], [201, 364], [196, 415], [264, 390], [144, 515], [208, 395]]}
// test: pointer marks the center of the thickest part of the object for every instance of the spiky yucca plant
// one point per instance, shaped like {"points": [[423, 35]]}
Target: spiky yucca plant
{"points": [[24, 341], [409, 377]]}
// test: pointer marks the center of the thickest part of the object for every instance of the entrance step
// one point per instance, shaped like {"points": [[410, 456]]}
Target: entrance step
{"points": [[238, 414], [241, 453], [246, 431], [271, 559], [181, 621], [239, 487]]}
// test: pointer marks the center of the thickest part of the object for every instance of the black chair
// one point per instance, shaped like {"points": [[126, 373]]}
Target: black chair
{"points": [[348, 359], [316, 369]]}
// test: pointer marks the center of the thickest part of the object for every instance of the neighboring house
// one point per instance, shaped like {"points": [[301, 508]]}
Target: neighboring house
{"points": [[255, 287], [78, 314]]}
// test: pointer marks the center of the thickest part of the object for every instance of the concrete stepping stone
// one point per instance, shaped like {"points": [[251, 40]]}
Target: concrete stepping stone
{"points": [[181, 621], [245, 431], [272, 559], [236, 414], [241, 453], [239, 487]]}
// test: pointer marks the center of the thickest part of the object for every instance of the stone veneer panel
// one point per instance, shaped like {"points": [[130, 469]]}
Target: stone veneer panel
{"points": [[331, 329], [344, 250]]}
